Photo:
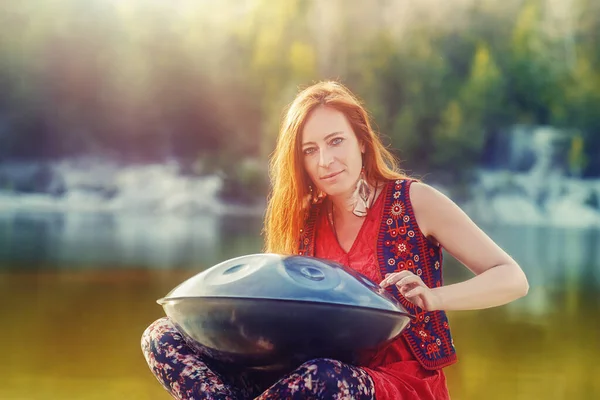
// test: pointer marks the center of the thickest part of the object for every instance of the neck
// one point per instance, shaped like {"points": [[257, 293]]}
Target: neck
{"points": [[343, 204]]}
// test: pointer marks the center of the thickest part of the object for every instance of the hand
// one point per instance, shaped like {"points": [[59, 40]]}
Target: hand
{"points": [[413, 289]]}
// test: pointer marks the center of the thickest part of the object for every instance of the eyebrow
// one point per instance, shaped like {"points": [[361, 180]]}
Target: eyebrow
{"points": [[326, 137]]}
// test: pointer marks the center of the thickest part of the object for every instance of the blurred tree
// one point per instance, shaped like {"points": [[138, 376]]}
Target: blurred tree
{"points": [[149, 81], [460, 136]]}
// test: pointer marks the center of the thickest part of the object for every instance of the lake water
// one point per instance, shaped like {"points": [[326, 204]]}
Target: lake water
{"points": [[78, 290]]}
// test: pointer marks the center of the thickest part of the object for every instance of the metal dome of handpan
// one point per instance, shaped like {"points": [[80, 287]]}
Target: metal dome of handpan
{"points": [[267, 311]]}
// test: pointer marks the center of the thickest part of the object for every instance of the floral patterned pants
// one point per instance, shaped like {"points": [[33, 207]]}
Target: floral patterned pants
{"points": [[186, 375]]}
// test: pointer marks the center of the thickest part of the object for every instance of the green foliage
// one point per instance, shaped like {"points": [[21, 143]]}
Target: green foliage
{"points": [[578, 160], [151, 80]]}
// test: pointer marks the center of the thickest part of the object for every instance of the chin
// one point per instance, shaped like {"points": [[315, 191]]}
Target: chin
{"points": [[337, 189]]}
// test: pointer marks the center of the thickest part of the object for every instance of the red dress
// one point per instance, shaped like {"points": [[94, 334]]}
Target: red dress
{"points": [[395, 371]]}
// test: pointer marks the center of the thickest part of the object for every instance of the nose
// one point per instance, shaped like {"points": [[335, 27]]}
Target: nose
{"points": [[325, 158]]}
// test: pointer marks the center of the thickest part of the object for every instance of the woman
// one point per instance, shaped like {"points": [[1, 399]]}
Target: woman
{"points": [[336, 194]]}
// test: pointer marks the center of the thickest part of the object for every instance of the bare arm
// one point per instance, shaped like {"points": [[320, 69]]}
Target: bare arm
{"points": [[498, 278]]}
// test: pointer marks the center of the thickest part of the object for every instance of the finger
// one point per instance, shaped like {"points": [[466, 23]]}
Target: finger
{"points": [[417, 296], [419, 290], [385, 281], [407, 288], [408, 283], [391, 279], [408, 280]]}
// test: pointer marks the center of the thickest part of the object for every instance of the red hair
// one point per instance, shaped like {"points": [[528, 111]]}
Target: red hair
{"points": [[290, 183]]}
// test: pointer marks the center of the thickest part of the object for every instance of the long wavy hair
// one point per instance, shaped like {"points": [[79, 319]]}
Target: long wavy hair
{"points": [[286, 207]]}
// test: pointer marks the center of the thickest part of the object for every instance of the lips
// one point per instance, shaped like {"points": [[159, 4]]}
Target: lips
{"points": [[329, 176]]}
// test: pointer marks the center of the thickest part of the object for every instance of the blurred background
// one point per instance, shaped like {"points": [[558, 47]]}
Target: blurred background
{"points": [[134, 142]]}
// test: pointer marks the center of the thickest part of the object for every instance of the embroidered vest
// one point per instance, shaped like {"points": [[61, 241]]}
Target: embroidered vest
{"points": [[402, 246]]}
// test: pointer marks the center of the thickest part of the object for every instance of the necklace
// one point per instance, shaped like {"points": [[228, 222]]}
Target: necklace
{"points": [[331, 214]]}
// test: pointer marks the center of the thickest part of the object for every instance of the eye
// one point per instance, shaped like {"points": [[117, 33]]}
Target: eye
{"points": [[336, 141], [309, 151]]}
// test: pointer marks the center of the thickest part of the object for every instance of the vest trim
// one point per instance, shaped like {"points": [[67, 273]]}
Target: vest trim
{"points": [[429, 335]]}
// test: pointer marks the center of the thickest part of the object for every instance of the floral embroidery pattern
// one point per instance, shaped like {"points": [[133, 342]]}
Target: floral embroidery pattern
{"points": [[402, 247], [323, 379], [186, 375], [179, 369]]}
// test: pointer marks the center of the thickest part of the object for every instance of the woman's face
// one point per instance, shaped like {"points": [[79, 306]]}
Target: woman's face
{"points": [[331, 151]]}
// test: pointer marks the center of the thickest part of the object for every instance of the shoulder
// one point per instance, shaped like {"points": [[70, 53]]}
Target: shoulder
{"points": [[422, 194], [430, 206], [419, 194]]}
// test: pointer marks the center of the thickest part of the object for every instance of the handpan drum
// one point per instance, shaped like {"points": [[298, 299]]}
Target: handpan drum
{"points": [[271, 312]]}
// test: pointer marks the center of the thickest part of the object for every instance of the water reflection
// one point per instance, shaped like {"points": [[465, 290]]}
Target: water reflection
{"points": [[80, 240], [552, 255], [75, 335], [78, 290], [564, 259]]}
